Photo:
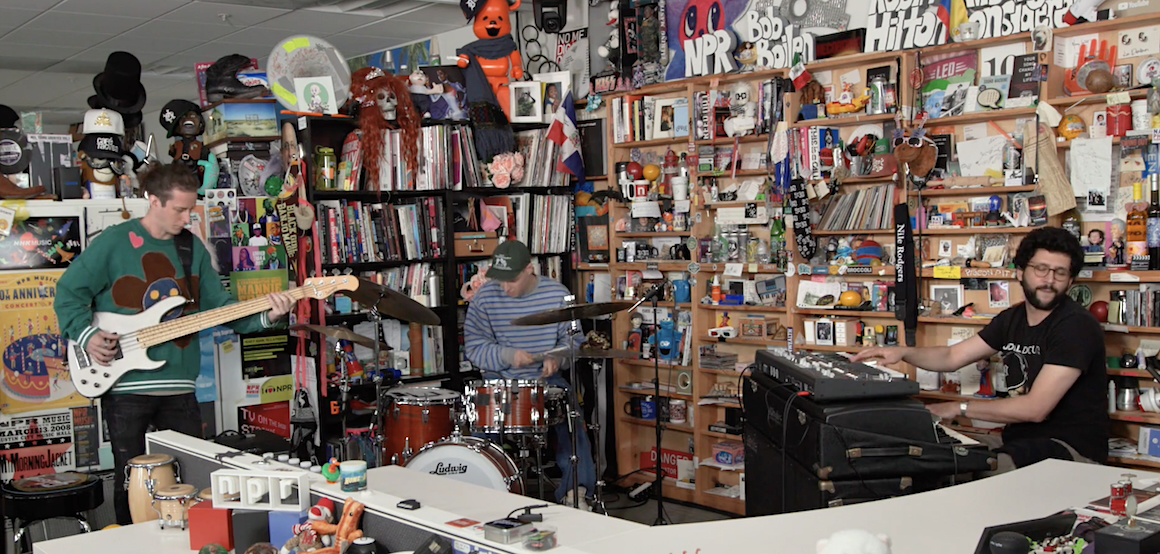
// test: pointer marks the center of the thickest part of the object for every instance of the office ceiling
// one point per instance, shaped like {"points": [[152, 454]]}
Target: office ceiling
{"points": [[50, 50]]}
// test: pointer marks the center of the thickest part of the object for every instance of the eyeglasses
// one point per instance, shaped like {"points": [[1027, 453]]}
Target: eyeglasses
{"points": [[914, 142], [118, 166], [1043, 271]]}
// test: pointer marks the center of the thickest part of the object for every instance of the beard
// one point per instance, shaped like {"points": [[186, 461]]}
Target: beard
{"points": [[1031, 294]]}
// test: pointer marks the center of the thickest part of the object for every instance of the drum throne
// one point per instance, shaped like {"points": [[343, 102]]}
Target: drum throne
{"points": [[31, 500]]}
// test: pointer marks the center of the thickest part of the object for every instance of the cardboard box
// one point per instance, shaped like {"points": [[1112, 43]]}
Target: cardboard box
{"points": [[241, 119], [210, 525], [1149, 441], [729, 452]]}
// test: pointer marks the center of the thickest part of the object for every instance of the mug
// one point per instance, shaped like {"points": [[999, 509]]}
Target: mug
{"points": [[632, 407], [678, 410], [679, 252], [642, 407], [680, 187], [644, 251]]}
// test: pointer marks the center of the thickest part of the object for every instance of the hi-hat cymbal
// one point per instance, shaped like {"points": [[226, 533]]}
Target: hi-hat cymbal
{"points": [[590, 353], [392, 303], [568, 313], [341, 333]]}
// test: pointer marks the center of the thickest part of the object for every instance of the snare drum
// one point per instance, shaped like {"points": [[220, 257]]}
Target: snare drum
{"points": [[414, 417], [470, 460], [556, 405], [506, 405], [148, 473], [172, 504]]}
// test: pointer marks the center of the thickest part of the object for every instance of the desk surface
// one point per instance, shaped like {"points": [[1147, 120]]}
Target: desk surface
{"points": [[946, 520]]}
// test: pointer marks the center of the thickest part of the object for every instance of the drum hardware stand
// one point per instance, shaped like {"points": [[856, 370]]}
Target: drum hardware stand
{"points": [[653, 295], [598, 498], [574, 403]]}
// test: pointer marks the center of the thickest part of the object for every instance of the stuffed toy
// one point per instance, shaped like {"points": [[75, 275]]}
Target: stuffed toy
{"points": [[345, 532], [610, 50], [306, 538], [489, 64], [742, 110], [384, 103], [421, 89], [854, 541], [917, 151], [474, 284]]}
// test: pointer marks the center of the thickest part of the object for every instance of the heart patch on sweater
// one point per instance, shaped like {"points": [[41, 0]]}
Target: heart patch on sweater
{"points": [[136, 240]]}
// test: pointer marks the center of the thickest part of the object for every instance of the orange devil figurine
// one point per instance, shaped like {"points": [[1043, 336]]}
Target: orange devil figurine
{"points": [[489, 64]]}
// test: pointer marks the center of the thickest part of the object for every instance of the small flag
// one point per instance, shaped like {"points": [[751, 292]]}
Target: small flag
{"points": [[943, 12], [958, 16], [563, 132]]}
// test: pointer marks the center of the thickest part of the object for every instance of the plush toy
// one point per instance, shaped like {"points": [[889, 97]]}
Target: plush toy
{"points": [[470, 287], [421, 89], [917, 151], [345, 531], [746, 57], [384, 103], [742, 110], [489, 64], [306, 538], [183, 119], [610, 50], [854, 541]]}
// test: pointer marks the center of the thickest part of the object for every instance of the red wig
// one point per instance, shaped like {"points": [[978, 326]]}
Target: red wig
{"points": [[366, 85]]}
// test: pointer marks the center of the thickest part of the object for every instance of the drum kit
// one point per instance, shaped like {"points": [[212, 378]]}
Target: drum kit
{"points": [[420, 427]]}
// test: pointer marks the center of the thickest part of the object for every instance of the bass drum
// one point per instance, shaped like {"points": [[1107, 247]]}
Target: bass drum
{"points": [[470, 460]]}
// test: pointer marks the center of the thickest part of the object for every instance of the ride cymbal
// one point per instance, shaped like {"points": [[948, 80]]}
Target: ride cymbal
{"points": [[341, 333], [392, 303], [568, 313]]}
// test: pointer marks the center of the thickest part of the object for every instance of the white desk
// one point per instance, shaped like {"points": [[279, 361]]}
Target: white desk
{"points": [[143, 537], [944, 521]]}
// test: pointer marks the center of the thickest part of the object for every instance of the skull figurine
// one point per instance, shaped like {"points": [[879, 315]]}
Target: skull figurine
{"points": [[386, 101], [742, 110]]}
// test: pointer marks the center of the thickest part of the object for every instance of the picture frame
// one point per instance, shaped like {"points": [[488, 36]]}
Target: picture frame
{"points": [[527, 101], [664, 122], [315, 94], [998, 294], [557, 84], [451, 104], [824, 332], [949, 297], [1122, 76]]}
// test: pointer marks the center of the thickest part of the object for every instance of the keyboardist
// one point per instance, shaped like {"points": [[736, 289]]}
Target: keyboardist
{"points": [[1053, 351]]}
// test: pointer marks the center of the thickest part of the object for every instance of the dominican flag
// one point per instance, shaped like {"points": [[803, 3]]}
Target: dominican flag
{"points": [[563, 132]]}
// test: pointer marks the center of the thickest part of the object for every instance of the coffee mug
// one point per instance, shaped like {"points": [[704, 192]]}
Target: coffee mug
{"points": [[641, 407], [644, 251], [678, 410]]}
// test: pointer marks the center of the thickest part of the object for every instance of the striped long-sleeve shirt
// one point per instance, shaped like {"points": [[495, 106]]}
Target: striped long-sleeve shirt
{"points": [[491, 340]]}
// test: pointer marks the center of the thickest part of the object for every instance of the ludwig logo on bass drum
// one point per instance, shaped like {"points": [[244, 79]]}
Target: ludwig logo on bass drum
{"points": [[448, 469]]}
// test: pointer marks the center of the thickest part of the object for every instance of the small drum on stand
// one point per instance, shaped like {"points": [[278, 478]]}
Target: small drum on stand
{"points": [[556, 405], [205, 495], [148, 473], [470, 460], [507, 406], [171, 504], [414, 417]]}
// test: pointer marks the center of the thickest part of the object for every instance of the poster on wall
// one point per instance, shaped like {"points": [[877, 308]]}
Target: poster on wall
{"points": [[394, 60], [572, 55], [265, 354], [86, 436], [41, 242], [905, 25], [34, 372], [36, 445], [271, 416]]}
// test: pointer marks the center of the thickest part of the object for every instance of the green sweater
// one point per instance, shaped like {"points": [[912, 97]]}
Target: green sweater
{"points": [[125, 270]]}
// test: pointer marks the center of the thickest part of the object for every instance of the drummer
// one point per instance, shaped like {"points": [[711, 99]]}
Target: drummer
{"points": [[497, 347]]}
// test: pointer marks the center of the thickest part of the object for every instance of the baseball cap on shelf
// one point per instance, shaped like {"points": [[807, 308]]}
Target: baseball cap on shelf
{"points": [[104, 121], [508, 260], [102, 145]]}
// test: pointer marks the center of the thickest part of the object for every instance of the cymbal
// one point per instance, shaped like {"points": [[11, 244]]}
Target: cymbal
{"points": [[341, 333], [392, 303], [568, 313], [589, 353]]}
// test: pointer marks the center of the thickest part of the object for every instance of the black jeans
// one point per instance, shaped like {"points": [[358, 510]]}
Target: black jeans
{"points": [[128, 417]]}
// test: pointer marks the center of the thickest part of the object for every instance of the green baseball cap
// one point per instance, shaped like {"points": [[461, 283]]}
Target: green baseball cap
{"points": [[508, 260]]}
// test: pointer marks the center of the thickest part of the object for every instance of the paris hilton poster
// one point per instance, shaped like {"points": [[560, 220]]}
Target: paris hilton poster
{"points": [[34, 372]]}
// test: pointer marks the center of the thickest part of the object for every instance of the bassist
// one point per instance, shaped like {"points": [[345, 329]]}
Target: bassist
{"points": [[127, 269]]}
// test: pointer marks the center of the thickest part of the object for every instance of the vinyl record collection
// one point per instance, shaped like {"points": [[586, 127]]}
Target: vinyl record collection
{"points": [[360, 232]]}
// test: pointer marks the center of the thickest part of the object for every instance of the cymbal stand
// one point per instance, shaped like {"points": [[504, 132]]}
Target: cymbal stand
{"points": [[658, 485], [598, 498], [377, 436], [343, 395], [574, 404]]}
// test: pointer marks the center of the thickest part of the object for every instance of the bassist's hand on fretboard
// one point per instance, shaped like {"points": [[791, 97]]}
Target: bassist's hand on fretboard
{"points": [[103, 346]]}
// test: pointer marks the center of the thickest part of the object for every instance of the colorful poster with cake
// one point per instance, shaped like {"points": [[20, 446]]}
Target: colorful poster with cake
{"points": [[34, 372]]}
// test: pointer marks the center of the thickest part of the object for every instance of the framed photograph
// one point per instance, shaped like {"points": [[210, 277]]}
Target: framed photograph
{"points": [[664, 122], [824, 332], [1099, 126], [944, 248], [315, 94], [556, 87], [527, 101], [452, 103], [1122, 76], [753, 327], [998, 294], [949, 297]]}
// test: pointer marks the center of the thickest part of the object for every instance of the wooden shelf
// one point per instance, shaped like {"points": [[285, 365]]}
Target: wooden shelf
{"points": [[662, 265], [842, 121], [715, 371], [1086, 100], [642, 234], [981, 117], [845, 313], [1136, 417], [740, 173], [976, 273], [1132, 462], [717, 435], [650, 392], [744, 308], [754, 342], [1124, 372], [825, 233], [236, 140], [591, 267], [649, 423], [726, 141], [650, 143], [649, 364], [827, 348], [666, 87], [1105, 276], [977, 231], [867, 180], [1129, 329], [954, 320], [1067, 143], [717, 267], [973, 191]]}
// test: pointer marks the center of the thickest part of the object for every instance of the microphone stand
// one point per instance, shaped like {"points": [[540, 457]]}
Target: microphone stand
{"points": [[653, 295]]}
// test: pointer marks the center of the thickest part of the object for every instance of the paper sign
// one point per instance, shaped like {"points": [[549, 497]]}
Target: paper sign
{"points": [[1121, 97], [1138, 42], [976, 131], [734, 270], [1066, 49], [947, 272], [1123, 277], [851, 77], [681, 206], [646, 209]]}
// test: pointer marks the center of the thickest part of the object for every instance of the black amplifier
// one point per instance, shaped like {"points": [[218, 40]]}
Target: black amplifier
{"points": [[858, 439]]}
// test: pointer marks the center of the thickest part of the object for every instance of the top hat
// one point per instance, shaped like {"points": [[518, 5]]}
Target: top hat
{"points": [[119, 86], [8, 117]]}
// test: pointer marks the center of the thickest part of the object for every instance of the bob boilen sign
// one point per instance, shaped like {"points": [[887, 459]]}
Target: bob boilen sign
{"points": [[775, 40], [904, 24]]}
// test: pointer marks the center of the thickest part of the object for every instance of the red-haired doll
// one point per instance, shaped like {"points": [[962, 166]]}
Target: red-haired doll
{"points": [[384, 104]]}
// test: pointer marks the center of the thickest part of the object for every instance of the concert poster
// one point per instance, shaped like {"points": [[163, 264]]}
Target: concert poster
{"points": [[86, 436], [35, 376], [36, 445], [271, 416], [41, 242]]}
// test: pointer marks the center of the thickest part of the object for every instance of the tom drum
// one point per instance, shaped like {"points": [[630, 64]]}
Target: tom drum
{"points": [[414, 417]]}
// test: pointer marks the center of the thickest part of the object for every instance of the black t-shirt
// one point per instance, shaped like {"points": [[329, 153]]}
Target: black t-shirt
{"points": [[1069, 336]]}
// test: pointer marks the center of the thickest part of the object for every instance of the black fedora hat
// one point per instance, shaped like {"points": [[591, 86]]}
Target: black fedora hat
{"points": [[119, 86]]}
